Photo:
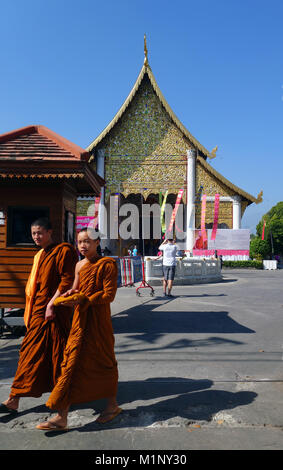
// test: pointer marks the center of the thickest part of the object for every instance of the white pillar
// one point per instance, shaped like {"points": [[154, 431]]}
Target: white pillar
{"points": [[237, 215], [100, 170], [191, 193]]}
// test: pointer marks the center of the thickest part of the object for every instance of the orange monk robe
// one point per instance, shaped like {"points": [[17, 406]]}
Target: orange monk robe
{"points": [[43, 346], [89, 368]]}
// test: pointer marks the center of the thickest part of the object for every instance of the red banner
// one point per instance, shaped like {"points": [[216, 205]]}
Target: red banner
{"points": [[174, 213], [216, 215], [203, 211], [263, 228]]}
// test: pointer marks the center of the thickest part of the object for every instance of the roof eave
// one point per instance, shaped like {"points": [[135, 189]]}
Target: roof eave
{"points": [[46, 169]]}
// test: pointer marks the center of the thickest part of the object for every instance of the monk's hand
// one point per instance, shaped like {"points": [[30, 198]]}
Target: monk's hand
{"points": [[69, 292], [49, 312]]}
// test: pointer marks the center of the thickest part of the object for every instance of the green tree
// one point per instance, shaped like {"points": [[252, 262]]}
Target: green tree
{"points": [[273, 232], [259, 248]]}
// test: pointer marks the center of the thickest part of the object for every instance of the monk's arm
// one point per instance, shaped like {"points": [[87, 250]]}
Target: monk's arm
{"points": [[107, 295], [49, 312], [66, 267], [76, 283]]}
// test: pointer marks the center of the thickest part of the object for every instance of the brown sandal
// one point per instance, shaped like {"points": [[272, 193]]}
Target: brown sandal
{"points": [[48, 426]]}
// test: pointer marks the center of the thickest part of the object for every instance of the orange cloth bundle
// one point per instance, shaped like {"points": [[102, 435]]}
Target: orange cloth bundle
{"points": [[83, 300], [30, 289]]}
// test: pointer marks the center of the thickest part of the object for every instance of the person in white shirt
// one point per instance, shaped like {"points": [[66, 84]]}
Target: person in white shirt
{"points": [[169, 249]]}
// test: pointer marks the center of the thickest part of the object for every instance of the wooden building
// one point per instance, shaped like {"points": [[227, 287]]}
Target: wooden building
{"points": [[143, 150], [41, 174]]}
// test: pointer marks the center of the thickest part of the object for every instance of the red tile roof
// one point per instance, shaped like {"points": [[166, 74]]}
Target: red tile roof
{"points": [[38, 142]]}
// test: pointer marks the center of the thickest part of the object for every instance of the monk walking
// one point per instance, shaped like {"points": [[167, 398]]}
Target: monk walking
{"points": [[89, 368], [47, 331]]}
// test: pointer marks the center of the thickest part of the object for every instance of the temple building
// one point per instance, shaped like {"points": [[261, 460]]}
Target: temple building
{"points": [[145, 153]]}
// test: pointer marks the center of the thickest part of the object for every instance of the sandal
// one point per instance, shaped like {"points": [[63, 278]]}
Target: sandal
{"points": [[48, 426]]}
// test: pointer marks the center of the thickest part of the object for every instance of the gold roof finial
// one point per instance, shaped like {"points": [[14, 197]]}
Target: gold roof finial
{"points": [[213, 152], [145, 52], [259, 197]]}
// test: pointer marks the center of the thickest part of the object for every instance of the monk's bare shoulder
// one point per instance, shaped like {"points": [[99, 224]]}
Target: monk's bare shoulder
{"points": [[80, 264]]}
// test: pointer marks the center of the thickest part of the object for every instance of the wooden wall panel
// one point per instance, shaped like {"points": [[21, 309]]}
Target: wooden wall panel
{"points": [[15, 266]]}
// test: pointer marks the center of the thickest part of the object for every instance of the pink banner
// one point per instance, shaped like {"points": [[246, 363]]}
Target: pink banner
{"points": [[216, 214], [203, 211], [203, 252], [82, 222], [174, 213], [221, 252]]}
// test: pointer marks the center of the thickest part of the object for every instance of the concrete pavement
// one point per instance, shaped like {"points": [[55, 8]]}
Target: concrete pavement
{"points": [[200, 371]]}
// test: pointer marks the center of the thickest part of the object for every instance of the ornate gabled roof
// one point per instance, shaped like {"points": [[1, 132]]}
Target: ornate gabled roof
{"points": [[146, 70]]}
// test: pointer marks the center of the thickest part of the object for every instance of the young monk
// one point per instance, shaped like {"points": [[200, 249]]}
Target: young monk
{"points": [[89, 368], [47, 331]]}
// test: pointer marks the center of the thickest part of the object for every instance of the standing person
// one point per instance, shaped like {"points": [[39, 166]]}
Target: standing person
{"points": [[135, 251], [89, 369], [169, 249], [47, 331]]}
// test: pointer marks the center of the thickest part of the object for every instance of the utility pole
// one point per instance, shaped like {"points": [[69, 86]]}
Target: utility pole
{"points": [[272, 247]]}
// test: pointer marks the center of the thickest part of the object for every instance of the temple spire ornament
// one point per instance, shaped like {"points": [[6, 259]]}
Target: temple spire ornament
{"points": [[259, 197], [213, 152], [145, 52]]}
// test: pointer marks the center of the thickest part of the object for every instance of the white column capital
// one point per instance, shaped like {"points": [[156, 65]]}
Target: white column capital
{"points": [[236, 199], [101, 152], [191, 153]]}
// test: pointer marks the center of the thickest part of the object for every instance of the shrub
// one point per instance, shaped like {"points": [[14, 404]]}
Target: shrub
{"points": [[243, 264], [258, 248]]}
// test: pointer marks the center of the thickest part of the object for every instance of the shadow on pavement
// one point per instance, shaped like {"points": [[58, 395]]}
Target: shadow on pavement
{"points": [[154, 318], [188, 399], [154, 400]]}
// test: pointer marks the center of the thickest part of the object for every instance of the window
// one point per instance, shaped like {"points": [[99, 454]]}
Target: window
{"points": [[19, 224]]}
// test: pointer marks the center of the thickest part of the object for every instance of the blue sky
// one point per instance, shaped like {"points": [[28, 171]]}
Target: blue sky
{"points": [[70, 65]]}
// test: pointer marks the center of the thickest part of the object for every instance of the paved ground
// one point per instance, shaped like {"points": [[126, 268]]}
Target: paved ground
{"points": [[200, 371]]}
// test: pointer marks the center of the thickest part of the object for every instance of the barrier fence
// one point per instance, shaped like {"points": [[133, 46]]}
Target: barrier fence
{"points": [[130, 270]]}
